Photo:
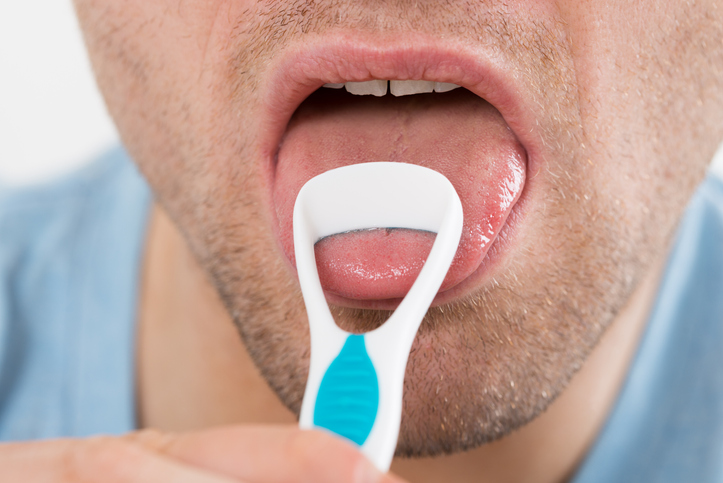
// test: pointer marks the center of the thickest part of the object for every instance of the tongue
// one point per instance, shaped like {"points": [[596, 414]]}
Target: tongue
{"points": [[457, 134]]}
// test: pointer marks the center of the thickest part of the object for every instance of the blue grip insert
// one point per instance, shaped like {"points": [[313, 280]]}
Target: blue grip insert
{"points": [[348, 396]]}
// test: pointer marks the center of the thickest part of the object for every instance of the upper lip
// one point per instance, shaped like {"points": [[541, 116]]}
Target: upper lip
{"points": [[342, 57]]}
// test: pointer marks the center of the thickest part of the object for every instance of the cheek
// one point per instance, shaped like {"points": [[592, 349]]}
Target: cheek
{"points": [[136, 48], [638, 103], [162, 67], [152, 61]]}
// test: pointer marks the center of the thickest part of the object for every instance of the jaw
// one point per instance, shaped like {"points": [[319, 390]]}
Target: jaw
{"points": [[489, 330], [526, 313]]}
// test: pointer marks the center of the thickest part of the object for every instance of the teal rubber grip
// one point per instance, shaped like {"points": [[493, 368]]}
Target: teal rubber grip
{"points": [[348, 397]]}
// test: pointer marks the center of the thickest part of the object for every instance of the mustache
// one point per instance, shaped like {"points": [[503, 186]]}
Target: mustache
{"points": [[266, 28]]}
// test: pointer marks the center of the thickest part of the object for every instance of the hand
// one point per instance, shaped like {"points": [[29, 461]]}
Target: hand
{"points": [[246, 454]]}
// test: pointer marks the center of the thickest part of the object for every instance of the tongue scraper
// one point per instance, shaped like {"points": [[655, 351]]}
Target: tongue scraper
{"points": [[356, 381]]}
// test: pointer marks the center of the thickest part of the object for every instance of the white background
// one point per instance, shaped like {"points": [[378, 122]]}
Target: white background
{"points": [[52, 118]]}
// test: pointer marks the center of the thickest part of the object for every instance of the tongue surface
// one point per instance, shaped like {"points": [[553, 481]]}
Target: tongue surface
{"points": [[455, 133]]}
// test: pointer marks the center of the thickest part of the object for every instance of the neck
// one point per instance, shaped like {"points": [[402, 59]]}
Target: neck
{"points": [[190, 351]]}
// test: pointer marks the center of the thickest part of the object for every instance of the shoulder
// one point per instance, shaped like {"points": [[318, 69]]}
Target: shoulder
{"points": [[69, 261], [711, 191], [57, 209], [112, 170], [667, 424]]}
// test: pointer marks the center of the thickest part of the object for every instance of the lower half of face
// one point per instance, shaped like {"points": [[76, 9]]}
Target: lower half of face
{"points": [[575, 138]]}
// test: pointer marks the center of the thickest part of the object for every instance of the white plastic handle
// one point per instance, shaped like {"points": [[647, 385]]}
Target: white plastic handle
{"points": [[361, 196]]}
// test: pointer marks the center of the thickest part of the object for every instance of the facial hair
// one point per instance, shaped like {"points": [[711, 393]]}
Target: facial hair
{"points": [[484, 365]]}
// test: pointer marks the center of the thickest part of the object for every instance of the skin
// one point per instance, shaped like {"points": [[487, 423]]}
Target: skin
{"points": [[628, 109]]}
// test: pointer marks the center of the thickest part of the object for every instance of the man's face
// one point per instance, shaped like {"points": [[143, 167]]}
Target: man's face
{"points": [[581, 129]]}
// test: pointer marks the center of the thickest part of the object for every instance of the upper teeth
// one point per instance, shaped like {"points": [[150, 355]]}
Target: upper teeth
{"points": [[396, 87]]}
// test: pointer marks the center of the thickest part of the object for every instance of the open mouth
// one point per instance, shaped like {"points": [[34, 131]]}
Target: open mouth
{"points": [[348, 116]]}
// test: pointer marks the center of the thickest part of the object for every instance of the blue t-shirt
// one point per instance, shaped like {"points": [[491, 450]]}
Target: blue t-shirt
{"points": [[69, 269], [70, 256]]}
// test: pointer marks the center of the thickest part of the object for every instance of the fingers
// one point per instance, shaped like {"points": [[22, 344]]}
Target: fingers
{"points": [[250, 454], [120, 461], [272, 455], [95, 460]]}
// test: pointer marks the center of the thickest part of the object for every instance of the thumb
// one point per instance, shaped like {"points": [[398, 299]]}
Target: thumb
{"points": [[269, 454]]}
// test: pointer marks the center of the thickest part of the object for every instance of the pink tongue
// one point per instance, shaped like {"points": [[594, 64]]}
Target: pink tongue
{"points": [[456, 133], [372, 264]]}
